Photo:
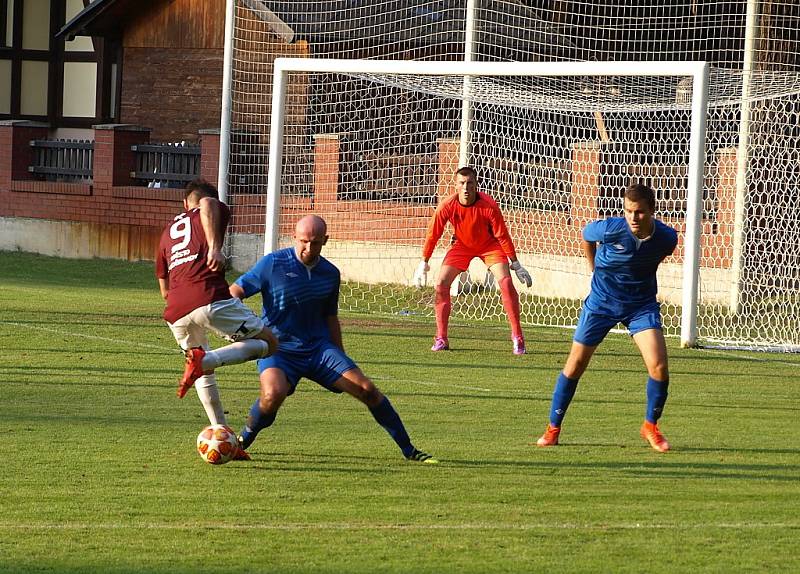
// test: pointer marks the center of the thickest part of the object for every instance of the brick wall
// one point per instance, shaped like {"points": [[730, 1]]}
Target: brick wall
{"points": [[563, 230], [113, 206], [174, 91], [115, 217]]}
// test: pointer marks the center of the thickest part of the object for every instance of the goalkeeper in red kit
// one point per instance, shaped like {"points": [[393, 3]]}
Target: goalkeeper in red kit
{"points": [[480, 231]]}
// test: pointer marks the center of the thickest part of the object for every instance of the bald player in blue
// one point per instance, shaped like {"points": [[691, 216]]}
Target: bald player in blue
{"points": [[624, 254], [300, 295]]}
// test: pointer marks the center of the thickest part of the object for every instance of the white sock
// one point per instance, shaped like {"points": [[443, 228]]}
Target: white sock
{"points": [[209, 395], [235, 353]]}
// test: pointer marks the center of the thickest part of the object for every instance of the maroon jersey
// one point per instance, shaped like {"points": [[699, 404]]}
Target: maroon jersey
{"points": [[181, 257]]}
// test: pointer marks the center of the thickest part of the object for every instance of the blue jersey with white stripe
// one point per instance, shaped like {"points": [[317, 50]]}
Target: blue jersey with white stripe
{"points": [[297, 299], [624, 277]]}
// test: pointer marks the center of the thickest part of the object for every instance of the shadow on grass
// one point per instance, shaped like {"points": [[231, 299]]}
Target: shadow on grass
{"points": [[664, 467], [166, 379], [526, 364]]}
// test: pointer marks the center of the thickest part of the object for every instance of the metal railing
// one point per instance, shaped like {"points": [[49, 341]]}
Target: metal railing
{"points": [[166, 164], [402, 178], [542, 186], [62, 160]]}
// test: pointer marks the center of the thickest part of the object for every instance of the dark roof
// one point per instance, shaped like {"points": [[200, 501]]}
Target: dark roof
{"points": [[102, 18]]}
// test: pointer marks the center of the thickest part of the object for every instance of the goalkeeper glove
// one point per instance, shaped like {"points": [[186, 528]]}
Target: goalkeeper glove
{"points": [[522, 273], [421, 274]]}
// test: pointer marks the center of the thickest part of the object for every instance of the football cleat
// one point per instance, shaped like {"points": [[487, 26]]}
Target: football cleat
{"points": [[192, 371], [419, 456], [440, 344], [550, 436], [241, 454], [652, 435], [519, 345]]}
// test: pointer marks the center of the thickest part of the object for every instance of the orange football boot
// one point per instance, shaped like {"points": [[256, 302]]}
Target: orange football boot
{"points": [[652, 435], [550, 436], [193, 370]]}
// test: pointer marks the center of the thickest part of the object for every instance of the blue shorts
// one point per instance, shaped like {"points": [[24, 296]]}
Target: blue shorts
{"points": [[324, 364], [594, 326]]}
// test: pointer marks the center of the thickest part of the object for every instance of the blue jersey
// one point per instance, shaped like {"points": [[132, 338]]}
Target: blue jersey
{"points": [[624, 277], [297, 300]]}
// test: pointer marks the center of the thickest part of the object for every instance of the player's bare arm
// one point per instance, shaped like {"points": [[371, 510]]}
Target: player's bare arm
{"points": [[214, 231], [163, 285], [589, 250], [236, 291]]}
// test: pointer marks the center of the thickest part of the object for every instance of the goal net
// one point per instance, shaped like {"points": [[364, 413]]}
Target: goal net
{"points": [[374, 152]]}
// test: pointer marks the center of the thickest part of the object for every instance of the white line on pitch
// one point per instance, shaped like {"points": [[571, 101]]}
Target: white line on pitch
{"points": [[737, 355], [94, 337], [397, 527]]}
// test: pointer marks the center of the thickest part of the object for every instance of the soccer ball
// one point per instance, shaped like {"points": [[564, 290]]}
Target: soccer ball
{"points": [[217, 444]]}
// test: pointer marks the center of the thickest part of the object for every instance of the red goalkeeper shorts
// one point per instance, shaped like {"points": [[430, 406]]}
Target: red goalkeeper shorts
{"points": [[459, 256]]}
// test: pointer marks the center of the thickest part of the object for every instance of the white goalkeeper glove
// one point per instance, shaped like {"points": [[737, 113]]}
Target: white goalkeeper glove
{"points": [[421, 274], [522, 273]]}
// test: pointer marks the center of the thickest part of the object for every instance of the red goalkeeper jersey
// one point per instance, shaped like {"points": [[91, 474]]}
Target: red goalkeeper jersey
{"points": [[478, 227], [181, 258]]}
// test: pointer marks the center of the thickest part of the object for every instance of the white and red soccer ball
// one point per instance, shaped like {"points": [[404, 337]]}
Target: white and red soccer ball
{"points": [[217, 444]]}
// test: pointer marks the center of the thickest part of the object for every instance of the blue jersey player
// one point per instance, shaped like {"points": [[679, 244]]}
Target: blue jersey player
{"points": [[300, 292], [624, 253]]}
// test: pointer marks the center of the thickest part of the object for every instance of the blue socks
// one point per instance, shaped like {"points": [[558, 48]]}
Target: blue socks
{"points": [[565, 390], [384, 414], [562, 397], [656, 398], [256, 422], [388, 418]]}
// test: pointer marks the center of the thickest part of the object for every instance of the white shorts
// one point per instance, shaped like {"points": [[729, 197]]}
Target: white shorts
{"points": [[230, 319]]}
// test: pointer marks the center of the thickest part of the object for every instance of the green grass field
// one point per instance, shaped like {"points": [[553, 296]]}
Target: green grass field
{"points": [[100, 472]]}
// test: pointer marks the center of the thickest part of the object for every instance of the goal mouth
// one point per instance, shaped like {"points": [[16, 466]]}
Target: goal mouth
{"points": [[372, 147]]}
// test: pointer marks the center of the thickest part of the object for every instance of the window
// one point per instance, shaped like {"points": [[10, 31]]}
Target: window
{"points": [[6, 23], [65, 83], [78, 90], [25, 52], [5, 87], [6, 37]]}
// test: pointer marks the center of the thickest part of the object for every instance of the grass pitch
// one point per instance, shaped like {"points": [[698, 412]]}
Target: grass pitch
{"points": [[100, 474]]}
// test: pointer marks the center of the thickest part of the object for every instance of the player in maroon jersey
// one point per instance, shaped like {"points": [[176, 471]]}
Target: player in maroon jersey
{"points": [[190, 267]]}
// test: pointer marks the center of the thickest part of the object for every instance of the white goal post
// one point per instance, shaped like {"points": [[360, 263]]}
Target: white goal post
{"points": [[697, 72]]}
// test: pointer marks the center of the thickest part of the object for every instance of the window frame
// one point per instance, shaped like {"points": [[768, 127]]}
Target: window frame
{"points": [[106, 53]]}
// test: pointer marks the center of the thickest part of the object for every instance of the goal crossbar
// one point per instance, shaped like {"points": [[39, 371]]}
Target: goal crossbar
{"points": [[698, 71]]}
